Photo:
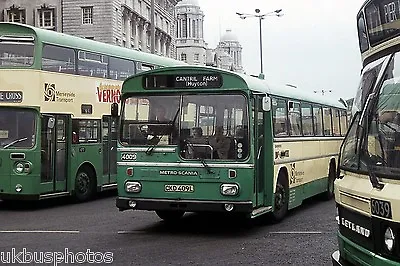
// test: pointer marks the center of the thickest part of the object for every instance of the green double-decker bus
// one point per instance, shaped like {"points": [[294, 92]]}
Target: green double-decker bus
{"points": [[200, 139], [57, 137]]}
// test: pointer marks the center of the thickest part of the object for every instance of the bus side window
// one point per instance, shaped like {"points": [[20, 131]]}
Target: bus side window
{"points": [[75, 131], [307, 119], [279, 109], [336, 122], [343, 123], [318, 127], [294, 119]]}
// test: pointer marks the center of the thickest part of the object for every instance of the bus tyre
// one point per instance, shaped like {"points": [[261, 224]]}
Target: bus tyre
{"points": [[330, 191], [84, 185], [170, 216], [281, 199]]}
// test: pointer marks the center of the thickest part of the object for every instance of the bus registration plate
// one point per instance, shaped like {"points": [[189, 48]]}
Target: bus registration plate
{"points": [[179, 188]]}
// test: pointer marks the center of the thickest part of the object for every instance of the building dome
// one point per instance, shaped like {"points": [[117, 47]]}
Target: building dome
{"points": [[188, 3], [229, 36]]}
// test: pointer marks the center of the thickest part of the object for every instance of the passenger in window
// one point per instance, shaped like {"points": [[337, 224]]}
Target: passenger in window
{"points": [[220, 143], [197, 133]]}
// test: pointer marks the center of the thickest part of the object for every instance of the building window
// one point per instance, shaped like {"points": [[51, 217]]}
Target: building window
{"points": [[148, 35], [148, 12], [183, 57], [87, 15], [16, 15], [46, 18], [196, 57], [167, 26], [140, 6]]}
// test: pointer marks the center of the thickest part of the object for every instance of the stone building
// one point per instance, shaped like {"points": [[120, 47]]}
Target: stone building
{"points": [[120, 22], [191, 46], [227, 54]]}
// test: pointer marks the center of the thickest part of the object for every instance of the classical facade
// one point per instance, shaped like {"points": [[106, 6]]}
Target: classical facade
{"points": [[190, 45], [227, 54], [120, 22]]}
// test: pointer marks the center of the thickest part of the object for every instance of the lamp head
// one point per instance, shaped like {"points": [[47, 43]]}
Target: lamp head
{"points": [[257, 10]]}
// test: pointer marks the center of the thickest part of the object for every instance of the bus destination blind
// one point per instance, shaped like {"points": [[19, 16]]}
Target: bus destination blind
{"points": [[188, 81]]}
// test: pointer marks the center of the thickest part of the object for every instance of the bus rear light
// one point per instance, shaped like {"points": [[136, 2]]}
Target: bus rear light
{"points": [[133, 187], [229, 189], [129, 171]]}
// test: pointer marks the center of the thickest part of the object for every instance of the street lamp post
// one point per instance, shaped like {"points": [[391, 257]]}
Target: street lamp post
{"points": [[260, 18]]}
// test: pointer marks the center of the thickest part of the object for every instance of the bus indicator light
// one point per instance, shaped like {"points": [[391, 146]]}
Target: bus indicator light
{"points": [[129, 171], [232, 173]]}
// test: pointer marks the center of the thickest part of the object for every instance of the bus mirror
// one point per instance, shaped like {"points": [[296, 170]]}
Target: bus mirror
{"points": [[266, 103], [51, 122], [114, 109]]}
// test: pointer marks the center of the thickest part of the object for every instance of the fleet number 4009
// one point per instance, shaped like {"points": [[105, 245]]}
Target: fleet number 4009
{"points": [[128, 156]]}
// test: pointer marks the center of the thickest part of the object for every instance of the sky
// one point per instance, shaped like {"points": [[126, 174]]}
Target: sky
{"points": [[313, 46]]}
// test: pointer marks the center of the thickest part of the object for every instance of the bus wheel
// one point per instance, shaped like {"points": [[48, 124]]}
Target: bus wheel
{"points": [[330, 192], [84, 185], [170, 216], [281, 199]]}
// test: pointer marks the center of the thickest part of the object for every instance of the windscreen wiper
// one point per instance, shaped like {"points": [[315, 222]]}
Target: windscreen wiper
{"points": [[203, 162], [13, 142], [372, 176], [364, 153], [172, 123]]}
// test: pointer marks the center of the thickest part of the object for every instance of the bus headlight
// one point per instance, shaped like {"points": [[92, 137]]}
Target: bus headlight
{"points": [[133, 187], [229, 189], [19, 168], [23, 167], [389, 239]]}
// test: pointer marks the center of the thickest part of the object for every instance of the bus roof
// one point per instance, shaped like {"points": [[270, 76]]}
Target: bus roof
{"points": [[57, 38], [247, 82]]}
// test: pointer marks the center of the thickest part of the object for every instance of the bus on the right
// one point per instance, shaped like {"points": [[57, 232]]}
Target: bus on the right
{"points": [[367, 188]]}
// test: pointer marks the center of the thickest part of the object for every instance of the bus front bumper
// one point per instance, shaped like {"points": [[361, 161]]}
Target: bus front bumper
{"points": [[124, 203], [16, 197]]}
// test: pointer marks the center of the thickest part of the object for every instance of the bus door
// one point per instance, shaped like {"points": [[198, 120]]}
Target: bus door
{"points": [[259, 149], [109, 135], [54, 147]]}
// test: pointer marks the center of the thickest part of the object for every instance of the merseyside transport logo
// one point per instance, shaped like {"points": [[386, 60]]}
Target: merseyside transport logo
{"points": [[53, 95], [49, 92]]}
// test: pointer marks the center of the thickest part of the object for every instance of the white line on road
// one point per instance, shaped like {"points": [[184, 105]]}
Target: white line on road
{"points": [[130, 232], [297, 232], [39, 231]]}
